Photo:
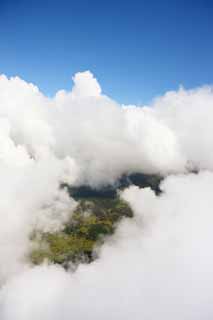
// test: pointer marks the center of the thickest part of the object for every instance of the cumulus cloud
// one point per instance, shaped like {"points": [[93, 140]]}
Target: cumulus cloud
{"points": [[158, 265], [85, 85]]}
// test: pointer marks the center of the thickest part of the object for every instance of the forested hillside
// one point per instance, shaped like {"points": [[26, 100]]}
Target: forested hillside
{"points": [[97, 215]]}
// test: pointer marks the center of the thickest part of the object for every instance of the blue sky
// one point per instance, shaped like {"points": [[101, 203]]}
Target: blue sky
{"points": [[136, 49]]}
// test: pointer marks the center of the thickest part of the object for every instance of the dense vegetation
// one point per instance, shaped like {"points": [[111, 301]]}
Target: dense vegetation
{"points": [[96, 216], [91, 221]]}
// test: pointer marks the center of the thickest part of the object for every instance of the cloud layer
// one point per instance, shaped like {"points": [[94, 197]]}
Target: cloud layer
{"points": [[157, 265]]}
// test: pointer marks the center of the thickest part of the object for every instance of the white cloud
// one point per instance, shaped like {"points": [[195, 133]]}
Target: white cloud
{"points": [[159, 264]]}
